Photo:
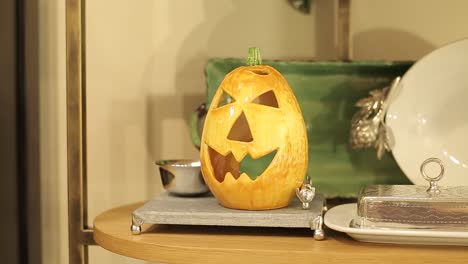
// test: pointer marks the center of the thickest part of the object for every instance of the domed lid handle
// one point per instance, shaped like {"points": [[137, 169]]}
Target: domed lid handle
{"points": [[433, 187]]}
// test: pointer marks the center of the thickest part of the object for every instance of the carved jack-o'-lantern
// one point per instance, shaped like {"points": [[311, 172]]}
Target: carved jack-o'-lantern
{"points": [[254, 115]]}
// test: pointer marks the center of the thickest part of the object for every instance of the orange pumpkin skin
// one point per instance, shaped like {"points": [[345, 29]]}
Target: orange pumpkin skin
{"points": [[277, 128]]}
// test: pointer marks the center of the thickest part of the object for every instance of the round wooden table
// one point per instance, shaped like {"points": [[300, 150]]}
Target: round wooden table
{"points": [[209, 244]]}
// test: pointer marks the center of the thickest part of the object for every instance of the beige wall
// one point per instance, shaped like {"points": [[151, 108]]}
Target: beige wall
{"points": [[145, 75], [402, 30], [53, 131]]}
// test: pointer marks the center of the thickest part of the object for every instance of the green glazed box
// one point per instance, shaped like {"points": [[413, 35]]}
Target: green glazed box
{"points": [[327, 92]]}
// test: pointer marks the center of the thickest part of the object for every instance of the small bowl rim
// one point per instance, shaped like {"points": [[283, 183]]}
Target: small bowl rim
{"points": [[179, 163]]}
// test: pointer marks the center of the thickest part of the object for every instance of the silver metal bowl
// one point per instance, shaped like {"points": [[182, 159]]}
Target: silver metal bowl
{"points": [[182, 177]]}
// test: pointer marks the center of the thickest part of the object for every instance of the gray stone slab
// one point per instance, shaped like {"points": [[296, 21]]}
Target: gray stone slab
{"points": [[168, 209]]}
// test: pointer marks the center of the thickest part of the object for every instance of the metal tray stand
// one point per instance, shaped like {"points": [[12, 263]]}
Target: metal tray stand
{"points": [[205, 210]]}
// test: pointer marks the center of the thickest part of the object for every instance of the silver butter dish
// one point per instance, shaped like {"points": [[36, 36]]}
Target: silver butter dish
{"points": [[412, 206]]}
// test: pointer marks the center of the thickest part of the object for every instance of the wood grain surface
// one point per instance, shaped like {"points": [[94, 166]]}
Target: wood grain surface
{"points": [[209, 244]]}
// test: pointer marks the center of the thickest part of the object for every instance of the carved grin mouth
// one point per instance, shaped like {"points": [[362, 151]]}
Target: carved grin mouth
{"points": [[222, 164]]}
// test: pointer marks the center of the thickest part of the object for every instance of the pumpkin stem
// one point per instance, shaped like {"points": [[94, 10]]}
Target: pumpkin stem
{"points": [[254, 57]]}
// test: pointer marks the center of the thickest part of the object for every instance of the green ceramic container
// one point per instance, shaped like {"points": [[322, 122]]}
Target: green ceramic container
{"points": [[327, 92]]}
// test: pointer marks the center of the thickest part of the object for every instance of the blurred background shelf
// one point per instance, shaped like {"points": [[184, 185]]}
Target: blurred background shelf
{"points": [[158, 86]]}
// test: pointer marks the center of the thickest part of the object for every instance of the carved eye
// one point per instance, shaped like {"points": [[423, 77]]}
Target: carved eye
{"points": [[267, 99], [225, 99]]}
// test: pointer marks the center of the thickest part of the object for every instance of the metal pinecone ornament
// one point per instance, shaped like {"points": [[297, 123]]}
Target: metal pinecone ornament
{"points": [[368, 128]]}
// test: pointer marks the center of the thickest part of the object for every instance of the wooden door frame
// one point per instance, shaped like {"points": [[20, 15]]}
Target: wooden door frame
{"points": [[19, 140]]}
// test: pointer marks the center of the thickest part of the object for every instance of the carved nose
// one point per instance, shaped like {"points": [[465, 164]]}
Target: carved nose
{"points": [[240, 131]]}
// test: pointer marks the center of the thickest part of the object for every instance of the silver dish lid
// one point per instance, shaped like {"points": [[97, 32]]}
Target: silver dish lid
{"points": [[413, 206]]}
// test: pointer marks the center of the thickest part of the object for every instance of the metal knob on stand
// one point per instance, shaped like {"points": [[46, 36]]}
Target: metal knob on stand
{"points": [[306, 193]]}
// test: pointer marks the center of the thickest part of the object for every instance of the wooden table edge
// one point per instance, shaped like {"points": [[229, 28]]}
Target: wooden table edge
{"points": [[336, 249]]}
